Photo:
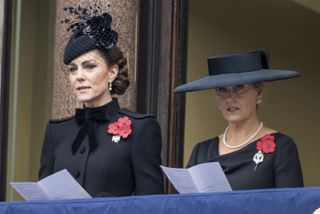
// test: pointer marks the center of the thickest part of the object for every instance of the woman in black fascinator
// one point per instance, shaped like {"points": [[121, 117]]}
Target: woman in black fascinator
{"points": [[109, 150], [252, 155]]}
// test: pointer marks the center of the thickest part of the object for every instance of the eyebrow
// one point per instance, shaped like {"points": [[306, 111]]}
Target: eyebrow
{"points": [[84, 62], [87, 61]]}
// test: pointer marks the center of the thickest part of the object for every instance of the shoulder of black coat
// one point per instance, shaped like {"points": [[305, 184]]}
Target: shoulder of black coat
{"points": [[61, 120], [134, 115]]}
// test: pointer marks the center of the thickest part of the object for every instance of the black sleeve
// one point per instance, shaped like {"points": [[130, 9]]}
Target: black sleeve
{"points": [[287, 167], [47, 159], [194, 156], [146, 159]]}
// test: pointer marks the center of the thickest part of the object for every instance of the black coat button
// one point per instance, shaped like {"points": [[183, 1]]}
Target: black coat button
{"points": [[77, 174], [82, 150]]}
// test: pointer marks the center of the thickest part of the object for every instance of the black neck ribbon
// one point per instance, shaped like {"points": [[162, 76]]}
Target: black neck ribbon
{"points": [[88, 118]]}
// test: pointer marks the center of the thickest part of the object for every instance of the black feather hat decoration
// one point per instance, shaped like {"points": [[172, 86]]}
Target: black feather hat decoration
{"points": [[90, 29]]}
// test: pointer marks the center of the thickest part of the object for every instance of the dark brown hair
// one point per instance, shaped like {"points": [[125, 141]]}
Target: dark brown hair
{"points": [[114, 56]]}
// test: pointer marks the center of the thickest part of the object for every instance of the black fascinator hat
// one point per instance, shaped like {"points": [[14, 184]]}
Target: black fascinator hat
{"points": [[91, 30], [237, 69]]}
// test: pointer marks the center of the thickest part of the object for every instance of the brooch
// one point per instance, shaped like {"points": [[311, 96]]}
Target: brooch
{"points": [[121, 128], [265, 145]]}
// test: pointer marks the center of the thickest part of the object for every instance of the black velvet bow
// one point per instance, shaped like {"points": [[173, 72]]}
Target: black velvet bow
{"points": [[88, 118]]}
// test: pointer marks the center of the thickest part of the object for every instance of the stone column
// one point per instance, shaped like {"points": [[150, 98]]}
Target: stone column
{"points": [[124, 14]]}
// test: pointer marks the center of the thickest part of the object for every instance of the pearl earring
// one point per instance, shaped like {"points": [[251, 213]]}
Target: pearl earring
{"points": [[259, 101], [110, 86]]}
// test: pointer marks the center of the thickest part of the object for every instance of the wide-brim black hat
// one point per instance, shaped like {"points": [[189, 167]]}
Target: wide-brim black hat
{"points": [[237, 69]]}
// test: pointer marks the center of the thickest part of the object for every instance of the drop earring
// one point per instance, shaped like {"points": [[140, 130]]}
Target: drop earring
{"points": [[259, 101], [110, 86]]}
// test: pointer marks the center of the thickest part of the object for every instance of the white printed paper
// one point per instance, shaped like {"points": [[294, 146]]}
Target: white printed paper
{"points": [[206, 177], [60, 185]]}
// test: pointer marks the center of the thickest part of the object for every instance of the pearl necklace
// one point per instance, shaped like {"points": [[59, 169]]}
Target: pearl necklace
{"points": [[241, 144]]}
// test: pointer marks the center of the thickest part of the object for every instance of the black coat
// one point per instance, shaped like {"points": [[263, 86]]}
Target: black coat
{"points": [[279, 169], [131, 166]]}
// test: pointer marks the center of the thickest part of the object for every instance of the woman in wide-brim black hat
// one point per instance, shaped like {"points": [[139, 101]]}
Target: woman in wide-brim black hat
{"points": [[252, 155]]}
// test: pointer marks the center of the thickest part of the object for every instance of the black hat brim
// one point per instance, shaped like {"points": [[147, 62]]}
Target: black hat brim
{"points": [[230, 79]]}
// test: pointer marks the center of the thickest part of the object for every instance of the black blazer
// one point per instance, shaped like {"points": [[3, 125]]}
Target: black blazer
{"points": [[279, 169], [131, 166]]}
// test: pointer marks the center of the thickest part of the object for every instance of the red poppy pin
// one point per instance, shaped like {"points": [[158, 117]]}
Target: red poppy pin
{"points": [[265, 145], [121, 128]]}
